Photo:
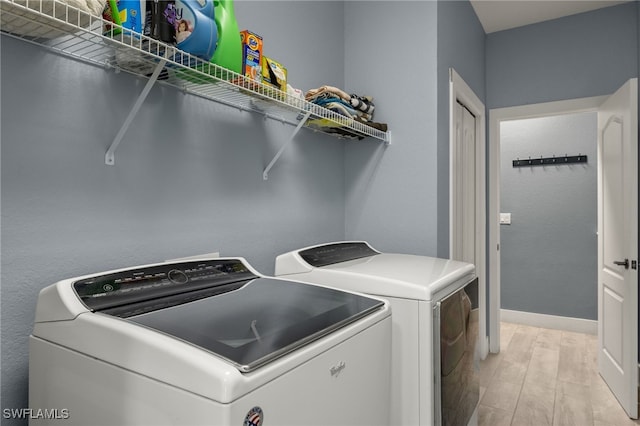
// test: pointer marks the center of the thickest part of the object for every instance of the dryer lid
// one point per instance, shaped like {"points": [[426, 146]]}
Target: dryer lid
{"points": [[356, 266], [401, 275]]}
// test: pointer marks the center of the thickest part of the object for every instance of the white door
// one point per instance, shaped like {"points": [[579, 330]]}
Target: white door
{"points": [[467, 232], [464, 191], [618, 244]]}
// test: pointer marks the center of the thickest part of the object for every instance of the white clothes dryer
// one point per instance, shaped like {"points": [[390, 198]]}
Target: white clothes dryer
{"points": [[207, 342], [435, 363]]}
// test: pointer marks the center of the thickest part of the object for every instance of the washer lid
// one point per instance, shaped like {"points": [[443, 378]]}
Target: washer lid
{"points": [[261, 321], [222, 306]]}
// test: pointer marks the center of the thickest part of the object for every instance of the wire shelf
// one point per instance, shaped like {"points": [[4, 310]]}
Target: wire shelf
{"points": [[69, 31]]}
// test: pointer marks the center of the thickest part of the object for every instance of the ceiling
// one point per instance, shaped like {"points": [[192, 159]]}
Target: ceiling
{"points": [[498, 15]]}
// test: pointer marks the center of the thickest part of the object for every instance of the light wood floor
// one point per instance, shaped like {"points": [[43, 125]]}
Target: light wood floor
{"points": [[546, 377]]}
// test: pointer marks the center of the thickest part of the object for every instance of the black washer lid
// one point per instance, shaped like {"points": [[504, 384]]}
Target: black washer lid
{"points": [[221, 306], [261, 321]]}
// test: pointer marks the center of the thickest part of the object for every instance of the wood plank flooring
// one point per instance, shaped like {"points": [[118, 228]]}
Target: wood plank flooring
{"points": [[546, 377]]}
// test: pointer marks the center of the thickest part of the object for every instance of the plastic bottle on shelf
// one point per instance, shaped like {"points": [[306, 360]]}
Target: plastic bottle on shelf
{"points": [[157, 23], [229, 51], [196, 31]]}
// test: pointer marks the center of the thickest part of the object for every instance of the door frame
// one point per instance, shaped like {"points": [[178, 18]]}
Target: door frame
{"points": [[460, 92], [496, 116]]}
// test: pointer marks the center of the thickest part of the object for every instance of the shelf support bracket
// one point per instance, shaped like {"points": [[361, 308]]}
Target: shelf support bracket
{"points": [[265, 174], [109, 157]]}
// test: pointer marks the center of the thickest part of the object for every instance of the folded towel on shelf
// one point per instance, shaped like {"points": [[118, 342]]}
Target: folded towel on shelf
{"points": [[352, 106], [346, 110], [340, 106], [312, 94]]}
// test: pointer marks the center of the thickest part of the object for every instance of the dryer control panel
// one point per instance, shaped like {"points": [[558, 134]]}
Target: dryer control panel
{"points": [[135, 291], [330, 254]]}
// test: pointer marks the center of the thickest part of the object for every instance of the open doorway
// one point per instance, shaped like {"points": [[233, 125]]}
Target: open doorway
{"points": [[548, 226], [617, 230], [534, 179]]}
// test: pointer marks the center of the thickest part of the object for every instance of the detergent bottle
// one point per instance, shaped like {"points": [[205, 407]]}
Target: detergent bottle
{"points": [[157, 23], [195, 27], [229, 51]]}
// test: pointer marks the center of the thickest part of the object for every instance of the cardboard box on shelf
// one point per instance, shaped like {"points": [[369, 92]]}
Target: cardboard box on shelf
{"points": [[251, 55], [274, 74]]}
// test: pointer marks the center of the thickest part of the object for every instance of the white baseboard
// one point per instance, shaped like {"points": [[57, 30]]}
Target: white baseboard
{"points": [[577, 325]]}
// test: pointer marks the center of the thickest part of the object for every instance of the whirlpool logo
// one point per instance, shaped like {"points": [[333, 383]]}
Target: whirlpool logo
{"points": [[337, 369]]}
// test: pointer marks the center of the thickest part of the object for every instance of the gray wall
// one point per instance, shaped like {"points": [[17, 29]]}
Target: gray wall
{"points": [[187, 178], [588, 54], [390, 53], [398, 199], [549, 252]]}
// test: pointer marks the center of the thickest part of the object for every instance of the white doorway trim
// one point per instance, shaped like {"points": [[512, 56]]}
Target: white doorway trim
{"points": [[460, 92], [496, 116]]}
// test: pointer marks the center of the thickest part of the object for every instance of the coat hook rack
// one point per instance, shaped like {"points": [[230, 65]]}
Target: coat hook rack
{"points": [[543, 161]]}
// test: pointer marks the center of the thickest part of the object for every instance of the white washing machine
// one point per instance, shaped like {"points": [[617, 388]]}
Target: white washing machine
{"points": [[207, 342], [435, 363]]}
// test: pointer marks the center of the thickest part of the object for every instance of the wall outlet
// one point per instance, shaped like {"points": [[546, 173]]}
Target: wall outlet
{"points": [[505, 218]]}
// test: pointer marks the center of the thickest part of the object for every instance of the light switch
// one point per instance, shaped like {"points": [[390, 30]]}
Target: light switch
{"points": [[505, 218]]}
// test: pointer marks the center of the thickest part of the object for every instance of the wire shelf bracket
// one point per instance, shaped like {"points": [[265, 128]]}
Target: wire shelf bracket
{"points": [[109, 157], [265, 173]]}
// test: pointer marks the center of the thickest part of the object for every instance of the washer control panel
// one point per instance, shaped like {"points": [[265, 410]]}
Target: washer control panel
{"points": [[144, 287]]}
